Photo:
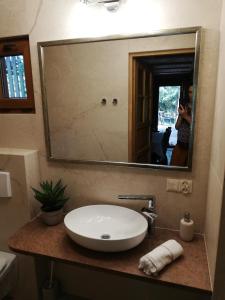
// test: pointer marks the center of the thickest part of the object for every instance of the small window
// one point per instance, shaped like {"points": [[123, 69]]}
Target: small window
{"points": [[16, 86]]}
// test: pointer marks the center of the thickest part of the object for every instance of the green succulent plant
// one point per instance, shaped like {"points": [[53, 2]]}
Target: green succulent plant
{"points": [[51, 195]]}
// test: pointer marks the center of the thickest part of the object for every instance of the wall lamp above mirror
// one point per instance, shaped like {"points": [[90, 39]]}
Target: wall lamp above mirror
{"points": [[154, 79]]}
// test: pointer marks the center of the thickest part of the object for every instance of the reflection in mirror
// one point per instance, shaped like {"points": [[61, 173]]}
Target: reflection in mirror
{"points": [[159, 88], [124, 101]]}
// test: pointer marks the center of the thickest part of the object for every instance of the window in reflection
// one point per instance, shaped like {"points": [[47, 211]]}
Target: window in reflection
{"points": [[167, 116]]}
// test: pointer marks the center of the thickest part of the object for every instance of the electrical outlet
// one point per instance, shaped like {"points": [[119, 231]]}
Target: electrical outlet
{"points": [[185, 186]]}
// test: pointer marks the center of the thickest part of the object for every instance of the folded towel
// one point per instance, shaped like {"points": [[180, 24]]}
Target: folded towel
{"points": [[157, 259]]}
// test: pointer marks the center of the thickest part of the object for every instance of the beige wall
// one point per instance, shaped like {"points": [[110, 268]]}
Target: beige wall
{"points": [[216, 173], [104, 183]]}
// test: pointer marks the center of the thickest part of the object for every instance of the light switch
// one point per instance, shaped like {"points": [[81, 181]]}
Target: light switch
{"points": [[5, 185], [173, 185]]}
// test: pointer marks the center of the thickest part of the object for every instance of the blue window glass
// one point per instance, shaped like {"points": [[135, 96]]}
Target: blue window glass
{"points": [[15, 76]]}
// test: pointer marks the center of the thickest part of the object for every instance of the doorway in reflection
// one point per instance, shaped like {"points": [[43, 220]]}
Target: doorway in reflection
{"points": [[160, 84]]}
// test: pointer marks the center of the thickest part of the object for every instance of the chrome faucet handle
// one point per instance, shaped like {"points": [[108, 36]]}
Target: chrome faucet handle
{"points": [[149, 212], [150, 215], [150, 198], [152, 204], [136, 197]]}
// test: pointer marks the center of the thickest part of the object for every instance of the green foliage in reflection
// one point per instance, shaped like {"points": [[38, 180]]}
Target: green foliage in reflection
{"points": [[168, 98]]}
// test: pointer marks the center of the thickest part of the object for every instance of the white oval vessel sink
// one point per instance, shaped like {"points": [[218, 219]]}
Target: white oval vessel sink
{"points": [[107, 228]]}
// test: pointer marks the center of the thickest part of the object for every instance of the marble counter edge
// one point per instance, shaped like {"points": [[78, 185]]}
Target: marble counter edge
{"points": [[142, 277]]}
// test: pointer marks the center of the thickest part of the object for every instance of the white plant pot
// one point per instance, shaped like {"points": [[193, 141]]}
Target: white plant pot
{"points": [[52, 217]]}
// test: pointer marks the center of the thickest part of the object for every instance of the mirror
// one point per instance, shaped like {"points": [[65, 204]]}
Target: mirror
{"points": [[121, 100]]}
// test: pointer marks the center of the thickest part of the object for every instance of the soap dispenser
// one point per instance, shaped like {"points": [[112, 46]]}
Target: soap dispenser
{"points": [[187, 227]]}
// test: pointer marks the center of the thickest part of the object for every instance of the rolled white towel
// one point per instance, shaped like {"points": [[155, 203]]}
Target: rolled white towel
{"points": [[157, 259]]}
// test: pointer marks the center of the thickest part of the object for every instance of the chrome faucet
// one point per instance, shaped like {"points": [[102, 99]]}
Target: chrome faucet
{"points": [[149, 212]]}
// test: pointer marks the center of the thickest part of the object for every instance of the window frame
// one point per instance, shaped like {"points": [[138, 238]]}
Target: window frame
{"points": [[12, 46]]}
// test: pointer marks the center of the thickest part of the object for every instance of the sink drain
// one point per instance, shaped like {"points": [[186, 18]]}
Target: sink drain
{"points": [[105, 236]]}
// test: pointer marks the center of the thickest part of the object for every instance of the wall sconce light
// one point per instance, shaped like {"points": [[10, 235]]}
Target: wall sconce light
{"points": [[111, 5]]}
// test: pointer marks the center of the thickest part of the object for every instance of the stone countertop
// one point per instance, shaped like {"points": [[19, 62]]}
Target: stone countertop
{"points": [[189, 271]]}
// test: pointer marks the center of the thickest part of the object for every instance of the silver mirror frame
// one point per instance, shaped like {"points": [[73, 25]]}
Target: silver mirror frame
{"points": [[167, 32]]}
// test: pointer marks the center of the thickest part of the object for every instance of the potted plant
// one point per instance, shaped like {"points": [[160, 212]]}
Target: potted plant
{"points": [[52, 198]]}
